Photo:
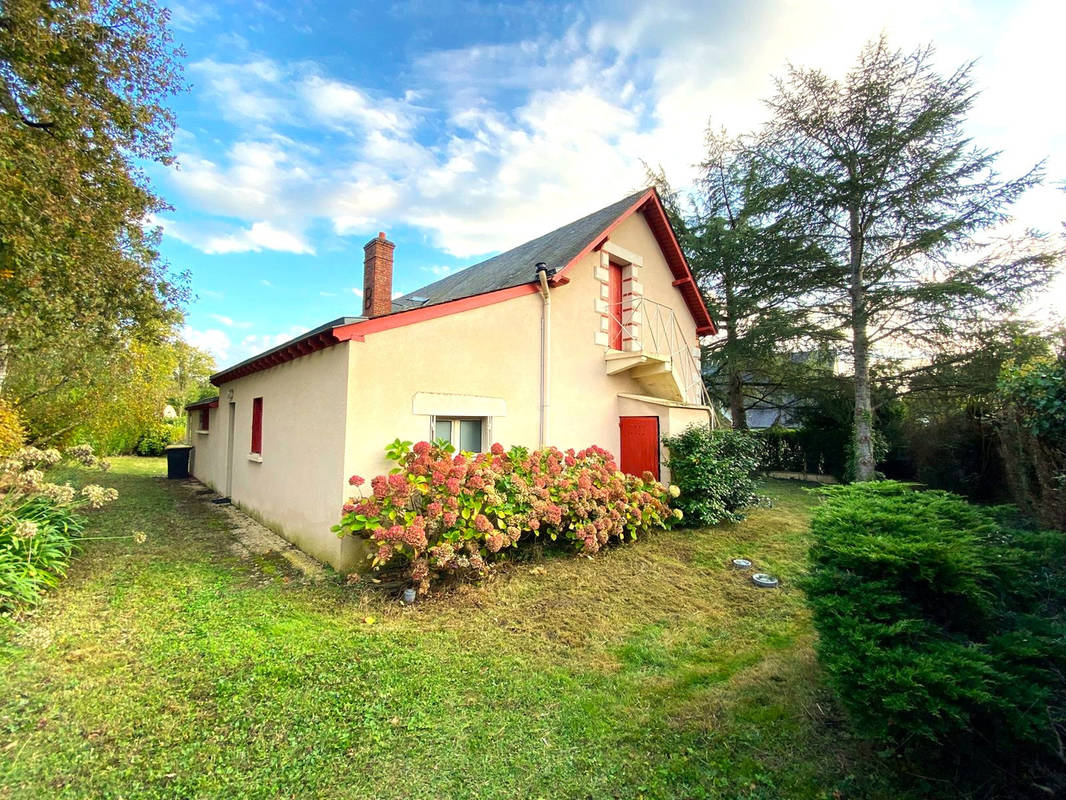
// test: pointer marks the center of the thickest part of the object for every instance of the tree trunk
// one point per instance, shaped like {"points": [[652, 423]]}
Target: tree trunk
{"points": [[736, 400], [862, 441], [735, 377]]}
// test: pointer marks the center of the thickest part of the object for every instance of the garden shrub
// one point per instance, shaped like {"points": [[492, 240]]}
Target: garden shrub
{"points": [[1032, 434], [12, 432], [155, 439], [940, 626], [440, 514], [40, 526], [716, 473]]}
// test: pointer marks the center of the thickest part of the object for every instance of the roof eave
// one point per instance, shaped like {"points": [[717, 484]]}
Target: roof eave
{"points": [[207, 402], [310, 342]]}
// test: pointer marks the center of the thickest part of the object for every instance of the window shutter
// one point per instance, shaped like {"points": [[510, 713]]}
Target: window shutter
{"points": [[257, 425]]}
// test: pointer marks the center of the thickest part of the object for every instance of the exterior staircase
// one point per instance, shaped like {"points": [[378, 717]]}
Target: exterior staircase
{"points": [[658, 356]]}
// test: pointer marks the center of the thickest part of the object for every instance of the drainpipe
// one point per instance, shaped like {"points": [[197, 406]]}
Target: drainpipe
{"points": [[543, 272]]}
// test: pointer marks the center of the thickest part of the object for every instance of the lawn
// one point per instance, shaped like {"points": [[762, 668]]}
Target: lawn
{"points": [[176, 669]]}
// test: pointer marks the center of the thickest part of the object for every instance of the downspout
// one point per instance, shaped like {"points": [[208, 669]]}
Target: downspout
{"points": [[545, 351]]}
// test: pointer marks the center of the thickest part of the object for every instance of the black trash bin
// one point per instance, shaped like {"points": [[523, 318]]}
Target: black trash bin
{"points": [[178, 460]]}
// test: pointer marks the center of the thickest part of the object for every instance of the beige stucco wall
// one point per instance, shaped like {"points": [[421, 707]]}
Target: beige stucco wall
{"points": [[298, 486], [488, 352], [208, 458]]}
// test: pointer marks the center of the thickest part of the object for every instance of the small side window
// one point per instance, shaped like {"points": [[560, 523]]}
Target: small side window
{"points": [[205, 419], [464, 434]]}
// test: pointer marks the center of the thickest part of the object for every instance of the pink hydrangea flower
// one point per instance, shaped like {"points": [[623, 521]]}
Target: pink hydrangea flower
{"points": [[380, 485], [356, 480]]}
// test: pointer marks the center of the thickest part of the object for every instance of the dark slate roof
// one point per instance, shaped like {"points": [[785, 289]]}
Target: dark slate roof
{"points": [[517, 266]]}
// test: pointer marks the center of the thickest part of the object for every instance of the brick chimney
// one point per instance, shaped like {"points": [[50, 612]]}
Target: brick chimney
{"points": [[377, 276]]}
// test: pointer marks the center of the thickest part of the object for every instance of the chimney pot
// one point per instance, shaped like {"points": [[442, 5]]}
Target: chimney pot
{"points": [[377, 276]]}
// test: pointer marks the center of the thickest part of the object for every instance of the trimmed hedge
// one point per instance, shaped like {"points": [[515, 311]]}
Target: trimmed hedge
{"points": [[941, 627]]}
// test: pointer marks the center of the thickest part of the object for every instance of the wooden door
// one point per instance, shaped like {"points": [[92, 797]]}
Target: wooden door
{"points": [[639, 445]]}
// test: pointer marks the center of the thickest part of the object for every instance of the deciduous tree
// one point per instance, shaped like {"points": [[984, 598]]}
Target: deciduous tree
{"points": [[83, 86]]}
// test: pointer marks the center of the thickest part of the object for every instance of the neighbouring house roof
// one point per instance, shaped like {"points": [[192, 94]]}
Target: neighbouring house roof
{"points": [[507, 275], [207, 402]]}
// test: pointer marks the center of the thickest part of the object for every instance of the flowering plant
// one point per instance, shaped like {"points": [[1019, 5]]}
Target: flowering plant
{"points": [[440, 513], [39, 522]]}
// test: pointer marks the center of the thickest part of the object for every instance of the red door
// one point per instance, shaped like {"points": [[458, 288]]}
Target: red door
{"points": [[614, 306], [640, 445]]}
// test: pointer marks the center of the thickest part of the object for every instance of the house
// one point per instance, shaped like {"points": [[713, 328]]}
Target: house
{"points": [[768, 400], [586, 335]]}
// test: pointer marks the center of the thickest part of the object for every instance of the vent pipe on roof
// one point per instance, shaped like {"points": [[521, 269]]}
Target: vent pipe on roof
{"points": [[377, 276]]}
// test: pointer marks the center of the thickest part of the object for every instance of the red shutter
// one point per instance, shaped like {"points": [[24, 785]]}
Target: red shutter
{"points": [[257, 425], [614, 307], [639, 437]]}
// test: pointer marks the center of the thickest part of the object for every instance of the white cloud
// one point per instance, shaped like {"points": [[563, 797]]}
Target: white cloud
{"points": [[255, 344], [356, 292], [229, 322], [455, 155], [241, 91], [213, 340], [185, 18], [265, 282], [217, 238], [261, 236], [345, 105]]}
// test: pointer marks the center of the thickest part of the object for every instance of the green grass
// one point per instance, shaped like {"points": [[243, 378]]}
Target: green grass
{"points": [[174, 669]]}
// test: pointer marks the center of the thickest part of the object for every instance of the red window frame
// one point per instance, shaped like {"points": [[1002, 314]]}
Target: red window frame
{"points": [[614, 306], [257, 425], [205, 419]]}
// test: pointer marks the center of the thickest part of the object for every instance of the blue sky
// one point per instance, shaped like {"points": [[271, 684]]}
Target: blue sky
{"points": [[463, 128]]}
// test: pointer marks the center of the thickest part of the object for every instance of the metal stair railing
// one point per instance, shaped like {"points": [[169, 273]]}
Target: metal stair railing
{"points": [[661, 333]]}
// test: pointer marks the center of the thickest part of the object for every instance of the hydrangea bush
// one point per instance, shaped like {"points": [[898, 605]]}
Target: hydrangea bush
{"points": [[441, 513]]}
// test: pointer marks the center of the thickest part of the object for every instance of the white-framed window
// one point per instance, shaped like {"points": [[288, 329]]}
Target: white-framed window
{"points": [[464, 433]]}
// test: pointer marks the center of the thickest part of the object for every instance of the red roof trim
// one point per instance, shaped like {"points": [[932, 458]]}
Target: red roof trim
{"points": [[664, 234], [357, 331], [309, 344], [655, 214], [211, 402]]}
